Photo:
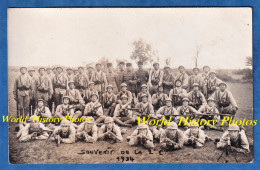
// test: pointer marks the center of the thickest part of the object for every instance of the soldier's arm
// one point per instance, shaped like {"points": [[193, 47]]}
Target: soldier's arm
{"points": [[244, 141], [81, 101], [159, 112], [149, 98], [149, 136], [185, 82], [71, 138], [116, 112], [203, 99], [201, 137], [161, 78], [94, 134], [151, 109], [149, 77], [163, 137], [87, 109], [202, 109], [99, 111], [101, 132], [223, 141], [118, 134], [180, 139], [15, 87], [154, 99], [130, 97], [186, 136], [232, 99], [47, 113]]}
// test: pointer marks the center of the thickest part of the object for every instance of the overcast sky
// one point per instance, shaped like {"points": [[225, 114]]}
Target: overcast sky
{"points": [[74, 36]]}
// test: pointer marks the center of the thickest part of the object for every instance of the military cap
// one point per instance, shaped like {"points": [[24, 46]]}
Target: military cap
{"points": [[69, 68], [178, 80], [212, 72], [168, 99], [80, 67], [90, 118], [144, 85], [96, 94], [172, 125], [91, 83], [98, 64], [223, 83], [160, 86], [31, 118], [110, 86], [128, 64], [206, 67], [22, 68], [140, 63], [185, 99], [49, 68], [211, 99], [59, 67], [144, 95], [180, 67], [195, 84], [68, 97], [196, 68], [40, 100], [31, 69], [124, 96], [109, 64], [71, 82], [193, 124], [41, 68], [89, 66], [155, 63], [233, 127], [65, 123], [53, 68], [167, 66], [108, 120], [123, 84], [142, 126], [121, 62]]}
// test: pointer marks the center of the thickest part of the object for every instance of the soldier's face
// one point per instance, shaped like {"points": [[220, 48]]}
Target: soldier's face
{"points": [[94, 98], [144, 99], [233, 134], [185, 103], [49, 71], [156, 66], [98, 67], [76, 72], [40, 103], [222, 87], [168, 103], [172, 132], [54, 71], [212, 75], [109, 125], [109, 90], [81, 70], [178, 84], [23, 70], [42, 72], [181, 69], [64, 128], [123, 88], [124, 100], [142, 131], [194, 130], [90, 125], [195, 88], [71, 85], [211, 103], [31, 73], [196, 71], [167, 69], [66, 101], [59, 70], [140, 67], [206, 69]]}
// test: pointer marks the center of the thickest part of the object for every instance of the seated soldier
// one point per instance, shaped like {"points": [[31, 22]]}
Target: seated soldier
{"points": [[194, 136], [158, 99], [196, 97], [210, 109], [185, 110], [41, 110], [144, 109], [89, 92], [124, 91], [123, 116], [110, 131], [224, 99], [144, 90], [167, 111], [94, 109], [64, 109], [171, 138], [32, 131], [87, 131], [142, 136], [109, 101], [177, 93], [76, 100], [235, 139], [65, 133]]}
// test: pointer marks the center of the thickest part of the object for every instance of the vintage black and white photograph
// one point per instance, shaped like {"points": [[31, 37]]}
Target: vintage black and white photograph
{"points": [[130, 85]]}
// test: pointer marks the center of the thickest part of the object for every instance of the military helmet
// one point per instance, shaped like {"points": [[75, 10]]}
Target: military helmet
{"points": [[144, 85], [80, 67], [109, 64], [69, 68], [211, 99], [168, 99], [68, 97], [180, 67], [109, 86], [40, 100], [128, 64], [108, 120], [90, 118], [71, 82], [59, 67], [98, 64], [172, 125], [124, 96], [223, 83], [49, 68], [233, 127], [89, 66], [140, 63], [196, 68], [41, 68], [96, 94], [185, 99], [193, 124], [142, 126], [144, 95], [123, 85], [65, 123], [121, 62], [22, 68], [155, 63], [91, 83], [212, 72], [206, 67], [31, 69], [167, 66], [195, 84]]}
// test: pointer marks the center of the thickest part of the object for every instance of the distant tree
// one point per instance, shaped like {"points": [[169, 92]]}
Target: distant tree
{"points": [[196, 56], [143, 52], [249, 61]]}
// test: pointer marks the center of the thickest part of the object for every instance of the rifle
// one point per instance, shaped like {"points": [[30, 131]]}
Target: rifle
{"points": [[48, 139], [31, 112], [226, 150], [94, 110]]}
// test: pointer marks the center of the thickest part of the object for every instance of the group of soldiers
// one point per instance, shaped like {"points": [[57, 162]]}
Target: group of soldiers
{"points": [[114, 99]]}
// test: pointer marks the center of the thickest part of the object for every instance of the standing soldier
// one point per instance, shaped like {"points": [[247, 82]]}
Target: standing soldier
{"points": [[110, 131], [196, 97], [177, 93], [120, 73], [155, 79], [43, 87], [123, 116], [145, 108], [225, 101], [129, 78], [109, 101], [196, 78], [172, 138], [205, 77], [142, 136], [41, 110], [54, 70], [194, 136], [87, 131], [22, 85], [81, 81], [158, 99], [99, 78], [32, 103], [60, 85], [90, 71], [142, 76], [168, 80], [167, 111], [212, 83], [65, 133], [50, 75], [124, 91], [75, 72], [76, 101], [112, 78], [144, 90], [94, 109], [235, 139], [183, 77], [89, 92], [70, 74]]}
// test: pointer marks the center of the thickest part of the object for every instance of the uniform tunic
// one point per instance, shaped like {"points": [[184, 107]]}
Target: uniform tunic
{"points": [[176, 95], [81, 83], [115, 129], [167, 112], [128, 94], [178, 138], [196, 79], [113, 80], [167, 82], [142, 78], [200, 136], [129, 78], [139, 96], [27, 131], [68, 137], [64, 110], [100, 80], [158, 100], [147, 143], [145, 109], [91, 132], [184, 78], [43, 112], [196, 99], [212, 85], [43, 88]]}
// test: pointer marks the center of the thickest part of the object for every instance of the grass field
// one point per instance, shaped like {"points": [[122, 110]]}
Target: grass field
{"points": [[34, 153]]}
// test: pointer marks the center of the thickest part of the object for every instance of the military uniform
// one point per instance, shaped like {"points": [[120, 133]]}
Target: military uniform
{"points": [[127, 93], [184, 78], [60, 85], [144, 109], [167, 82], [43, 89], [109, 102], [158, 100], [43, 112], [167, 112], [205, 78], [65, 137], [196, 79], [95, 110], [197, 99], [100, 80], [155, 80], [212, 85], [139, 96], [32, 92], [176, 94], [81, 83], [197, 140], [64, 110], [129, 78], [89, 135], [142, 77], [113, 80], [88, 94], [22, 85]]}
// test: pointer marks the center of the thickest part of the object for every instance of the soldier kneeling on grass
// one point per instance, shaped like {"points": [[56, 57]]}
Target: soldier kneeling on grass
{"points": [[65, 133], [194, 136], [123, 116], [142, 136], [41, 110], [87, 131], [32, 131], [172, 138], [235, 139], [110, 131], [109, 101]]}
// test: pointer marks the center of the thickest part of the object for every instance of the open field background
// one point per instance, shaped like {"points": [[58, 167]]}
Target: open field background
{"points": [[33, 153]]}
